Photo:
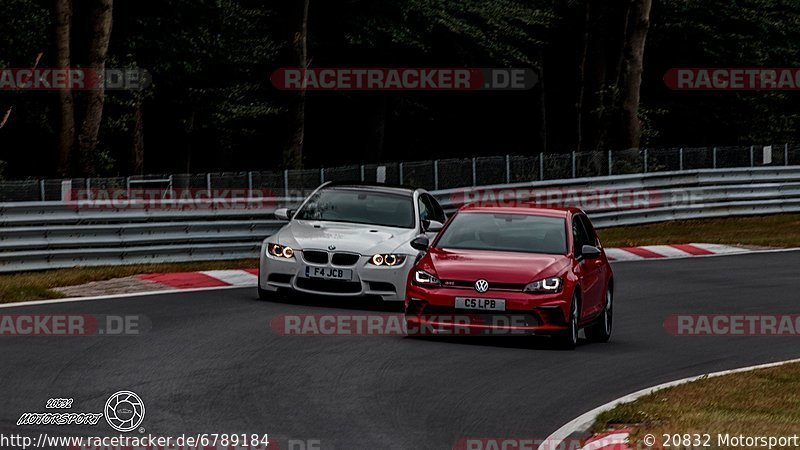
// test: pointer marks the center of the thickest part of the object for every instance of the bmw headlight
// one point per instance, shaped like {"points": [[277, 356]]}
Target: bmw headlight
{"points": [[546, 286], [280, 251], [388, 260], [425, 278]]}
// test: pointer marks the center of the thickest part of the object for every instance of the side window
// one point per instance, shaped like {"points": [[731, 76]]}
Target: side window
{"points": [[424, 211], [579, 235], [587, 224], [434, 209]]}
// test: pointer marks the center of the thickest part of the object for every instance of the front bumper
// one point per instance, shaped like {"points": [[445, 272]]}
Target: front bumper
{"points": [[388, 283], [433, 311]]}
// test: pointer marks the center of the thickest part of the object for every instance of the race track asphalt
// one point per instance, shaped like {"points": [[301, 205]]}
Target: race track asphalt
{"points": [[211, 363]]}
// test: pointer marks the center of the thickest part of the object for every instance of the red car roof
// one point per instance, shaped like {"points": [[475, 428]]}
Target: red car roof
{"points": [[524, 208]]}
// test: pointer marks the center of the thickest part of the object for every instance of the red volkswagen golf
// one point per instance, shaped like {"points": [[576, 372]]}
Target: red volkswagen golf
{"points": [[516, 269]]}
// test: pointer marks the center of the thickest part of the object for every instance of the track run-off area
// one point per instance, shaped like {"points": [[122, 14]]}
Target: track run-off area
{"points": [[211, 362]]}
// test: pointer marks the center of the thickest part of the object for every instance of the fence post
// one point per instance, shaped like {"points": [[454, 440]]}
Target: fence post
{"points": [[610, 164], [41, 189], [362, 173], [752, 157], [435, 174], [541, 166], [401, 172], [474, 173], [286, 183], [128, 186], [786, 154], [714, 155], [508, 169], [249, 184], [321, 175], [645, 160], [681, 160], [573, 164]]}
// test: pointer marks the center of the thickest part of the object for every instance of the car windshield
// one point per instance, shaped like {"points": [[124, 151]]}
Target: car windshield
{"points": [[360, 206], [505, 232]]}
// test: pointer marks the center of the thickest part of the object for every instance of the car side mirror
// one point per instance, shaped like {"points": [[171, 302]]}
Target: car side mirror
{"points": [[282, 214], [590, 252], [432, 226], [421, 243]]}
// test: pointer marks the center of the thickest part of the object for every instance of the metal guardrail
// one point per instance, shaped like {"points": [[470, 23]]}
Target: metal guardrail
{"points": [[45, 235], [433, 175]]}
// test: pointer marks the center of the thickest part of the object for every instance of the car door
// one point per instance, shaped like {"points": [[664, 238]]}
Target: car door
{"points": [[589, 270], [604, 267]]}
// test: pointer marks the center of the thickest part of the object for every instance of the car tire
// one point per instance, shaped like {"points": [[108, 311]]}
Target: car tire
{"points": [[600, 331], [569, 340]]}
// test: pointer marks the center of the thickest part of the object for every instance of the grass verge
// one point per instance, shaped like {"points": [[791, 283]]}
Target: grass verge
{"points": [[764, 402], [763, 231], [39, 285]]}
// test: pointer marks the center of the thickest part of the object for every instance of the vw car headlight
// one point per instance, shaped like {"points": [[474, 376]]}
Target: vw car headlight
{"points": [[422, 277], [387, 260], [280, 251], [546, 286]]}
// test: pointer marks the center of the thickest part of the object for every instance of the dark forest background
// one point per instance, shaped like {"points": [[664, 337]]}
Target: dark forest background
{"points": [[212, 107]]}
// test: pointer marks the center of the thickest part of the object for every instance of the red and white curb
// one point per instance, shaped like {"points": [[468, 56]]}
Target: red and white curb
{"points": [[207, 279], [612, 440], [249, 277], [671, 251]]}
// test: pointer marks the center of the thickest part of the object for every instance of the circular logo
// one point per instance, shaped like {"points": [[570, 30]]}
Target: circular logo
{"points": [[124, 411], [331, 247], [481, 286]]}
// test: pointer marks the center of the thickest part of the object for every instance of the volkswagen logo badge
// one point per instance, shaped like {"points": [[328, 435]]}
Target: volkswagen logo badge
{"points": [[331, 247], [124, 411], [481, 286]]}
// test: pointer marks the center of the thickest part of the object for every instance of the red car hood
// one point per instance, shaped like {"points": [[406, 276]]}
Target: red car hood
{"points": [[497, 267]]}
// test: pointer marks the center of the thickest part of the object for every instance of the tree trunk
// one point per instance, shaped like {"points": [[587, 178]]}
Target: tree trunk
{"points": [[137, 146], [98, 49], [605, 33], [630, 127], [66, 131], [293, 155]]}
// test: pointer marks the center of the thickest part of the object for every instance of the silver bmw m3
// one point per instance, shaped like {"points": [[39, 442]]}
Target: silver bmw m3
{"points": [[348, 240]]}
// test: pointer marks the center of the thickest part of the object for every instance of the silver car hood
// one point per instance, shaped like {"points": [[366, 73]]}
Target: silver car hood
{"points": [[346, 237]]}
